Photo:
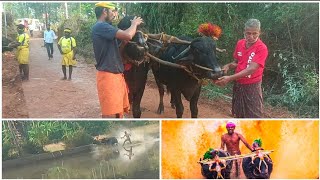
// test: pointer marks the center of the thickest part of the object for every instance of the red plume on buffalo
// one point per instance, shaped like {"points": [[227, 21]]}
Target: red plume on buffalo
{"points": [[210, 30]]}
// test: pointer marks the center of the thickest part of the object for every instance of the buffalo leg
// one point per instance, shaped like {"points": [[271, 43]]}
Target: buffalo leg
{"points": [[140, 75], [194, 103], [173, 105], [178, 102], [161, 94], [136, 109]]}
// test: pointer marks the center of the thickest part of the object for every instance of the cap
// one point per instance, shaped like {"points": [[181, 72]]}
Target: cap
{"points": [[109, 5]]}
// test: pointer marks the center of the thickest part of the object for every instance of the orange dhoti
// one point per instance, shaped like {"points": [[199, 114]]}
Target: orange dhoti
{"points": [[113, 93]]}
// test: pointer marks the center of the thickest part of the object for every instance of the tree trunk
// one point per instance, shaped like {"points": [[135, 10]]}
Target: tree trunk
{"points": [[18, 134]]}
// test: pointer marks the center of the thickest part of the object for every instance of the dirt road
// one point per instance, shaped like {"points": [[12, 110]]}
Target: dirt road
{"points": [[47, 96]]}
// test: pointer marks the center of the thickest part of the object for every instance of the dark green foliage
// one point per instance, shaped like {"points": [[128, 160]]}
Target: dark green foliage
{"points": [[73, 133], [84, 41], [7, 152], [32, 148], [94, 128], [290, 30], [78, 138]]}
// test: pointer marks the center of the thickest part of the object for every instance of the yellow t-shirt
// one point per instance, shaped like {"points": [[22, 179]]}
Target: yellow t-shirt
{"points": [[23, 39], [66, 43]]}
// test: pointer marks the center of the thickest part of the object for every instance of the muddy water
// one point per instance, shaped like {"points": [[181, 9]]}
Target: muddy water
{"points": [[138, 161], [296, 145]]}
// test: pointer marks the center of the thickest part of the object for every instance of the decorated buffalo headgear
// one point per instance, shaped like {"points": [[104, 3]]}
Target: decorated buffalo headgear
{"points": [[68, 30], [230, 125], [214, 152], [108, 5], [257, 143], [210, 30]]}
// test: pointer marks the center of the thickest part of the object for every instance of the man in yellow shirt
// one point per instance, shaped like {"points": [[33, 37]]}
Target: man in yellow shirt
{"points": [[67, 47], [22, 45]]}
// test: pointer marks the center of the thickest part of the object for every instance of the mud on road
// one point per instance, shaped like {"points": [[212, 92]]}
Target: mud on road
{"points": [[13, 100], [45, 95]]}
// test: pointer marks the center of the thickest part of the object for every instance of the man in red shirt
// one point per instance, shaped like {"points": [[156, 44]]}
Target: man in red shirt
{"points": [[250, 56]]}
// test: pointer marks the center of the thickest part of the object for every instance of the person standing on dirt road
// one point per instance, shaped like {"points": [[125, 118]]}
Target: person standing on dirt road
{"points": [[22, 45], [48, 37], [231, 140], [67, 47], [31, 28], [250, 56], [111, 85], [127, 136]]}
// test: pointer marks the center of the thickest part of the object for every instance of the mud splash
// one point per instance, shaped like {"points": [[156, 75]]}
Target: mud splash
{"points": [[296, 145]]}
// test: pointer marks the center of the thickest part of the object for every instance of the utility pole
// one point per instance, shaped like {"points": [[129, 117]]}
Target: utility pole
{"points": [[5, 20], [66, 8]]}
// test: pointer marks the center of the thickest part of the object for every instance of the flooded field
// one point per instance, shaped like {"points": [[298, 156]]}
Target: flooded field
{"points": [[103, 162], [138, 160]]}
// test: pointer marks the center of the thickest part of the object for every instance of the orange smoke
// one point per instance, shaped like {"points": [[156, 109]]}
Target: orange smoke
{"points": [[296, 145]]}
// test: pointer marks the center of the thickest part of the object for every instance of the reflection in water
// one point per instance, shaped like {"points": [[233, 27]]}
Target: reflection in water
{"points": [[130, 153], [296, 145], [102, 162]]}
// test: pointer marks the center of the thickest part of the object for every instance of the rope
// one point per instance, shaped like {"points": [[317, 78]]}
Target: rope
{"points": [[165, 40]]}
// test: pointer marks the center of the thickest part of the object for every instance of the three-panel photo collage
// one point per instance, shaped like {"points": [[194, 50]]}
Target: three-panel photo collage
{"points": [[160, 90]]}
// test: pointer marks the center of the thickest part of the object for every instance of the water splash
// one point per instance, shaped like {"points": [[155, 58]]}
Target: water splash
{"points": [[296, 145]]}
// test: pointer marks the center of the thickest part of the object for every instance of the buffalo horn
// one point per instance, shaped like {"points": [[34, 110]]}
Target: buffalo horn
{"points": [[221, 50], [182, 53], [176, 40], [165, 62], [168, 38]]}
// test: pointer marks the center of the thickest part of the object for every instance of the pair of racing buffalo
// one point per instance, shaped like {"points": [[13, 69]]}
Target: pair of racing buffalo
{"points": [[180, 64], [256, 167]]}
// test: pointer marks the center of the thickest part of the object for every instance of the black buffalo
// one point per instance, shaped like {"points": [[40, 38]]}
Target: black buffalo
{"points": [[200, 58], [219, 169], [136, 76], [106, 140], [258, 167]]}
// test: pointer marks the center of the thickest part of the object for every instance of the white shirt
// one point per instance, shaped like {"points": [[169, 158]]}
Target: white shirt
{"points": [[49, 36], [31, 27]]}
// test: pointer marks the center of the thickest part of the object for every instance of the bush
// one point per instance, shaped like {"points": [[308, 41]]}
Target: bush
{"points": [[8, 152], [78, 138], [290, 31], [32, 148]]}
